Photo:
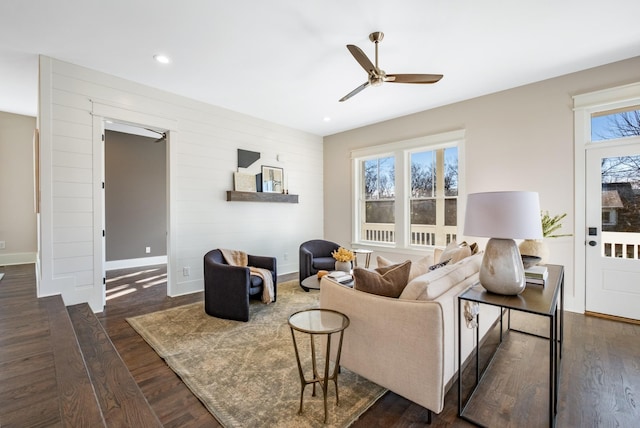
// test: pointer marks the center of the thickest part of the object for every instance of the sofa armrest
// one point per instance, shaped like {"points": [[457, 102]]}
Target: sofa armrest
{"points": [[397, 344]]}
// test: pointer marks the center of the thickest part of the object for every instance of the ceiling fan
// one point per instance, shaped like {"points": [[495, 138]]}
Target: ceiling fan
{"points": [[376, 76]]}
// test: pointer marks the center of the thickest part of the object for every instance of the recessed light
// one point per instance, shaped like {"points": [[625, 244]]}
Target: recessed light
{"points": [[326, 119], [162, 59]]}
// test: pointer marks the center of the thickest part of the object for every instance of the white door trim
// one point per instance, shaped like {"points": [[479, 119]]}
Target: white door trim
{"points": [[102, 111], [584, 106]]}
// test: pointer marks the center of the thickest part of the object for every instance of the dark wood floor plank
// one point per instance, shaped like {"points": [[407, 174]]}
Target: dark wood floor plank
{"points": [[78, 403], [27, 371], [120, 399]]}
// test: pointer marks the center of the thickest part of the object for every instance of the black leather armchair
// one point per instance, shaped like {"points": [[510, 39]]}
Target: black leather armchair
{"points": [[316, 255], [227, 289]]}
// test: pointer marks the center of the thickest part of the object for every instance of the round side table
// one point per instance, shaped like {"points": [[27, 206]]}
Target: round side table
{"points": [[319, 322], [367, 256]]}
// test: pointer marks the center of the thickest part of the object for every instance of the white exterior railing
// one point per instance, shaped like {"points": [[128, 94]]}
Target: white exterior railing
{"points": [[422, 235], [614, 244], [620, 244]]}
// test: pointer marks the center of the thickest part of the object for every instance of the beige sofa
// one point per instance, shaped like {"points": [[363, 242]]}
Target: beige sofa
{"points": [[406, 345]]}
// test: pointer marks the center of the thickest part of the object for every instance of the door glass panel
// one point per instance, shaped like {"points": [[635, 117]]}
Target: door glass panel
{"points": [[620, 206]]}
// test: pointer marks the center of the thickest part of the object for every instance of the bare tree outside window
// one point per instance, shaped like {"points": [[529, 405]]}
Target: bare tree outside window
{"points": [[625, 124], [616, 124]]}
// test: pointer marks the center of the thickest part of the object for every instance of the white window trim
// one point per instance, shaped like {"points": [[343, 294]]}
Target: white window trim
{"points": [[401, 150]]}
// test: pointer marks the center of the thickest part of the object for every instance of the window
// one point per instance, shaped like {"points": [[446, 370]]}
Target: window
{"points": [[379, 198], [434, 196], [406, 193], [612, 124]]}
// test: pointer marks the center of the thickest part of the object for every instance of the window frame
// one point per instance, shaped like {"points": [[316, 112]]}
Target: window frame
{"points": [[402, 151]]}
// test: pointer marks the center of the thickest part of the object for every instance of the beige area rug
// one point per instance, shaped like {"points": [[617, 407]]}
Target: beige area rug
{"points": [[246, 373]]}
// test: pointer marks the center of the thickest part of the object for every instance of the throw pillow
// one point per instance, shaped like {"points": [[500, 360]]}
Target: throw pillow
{"points": [[439, 281], [418, 267], [455, 252], [389, 283]]}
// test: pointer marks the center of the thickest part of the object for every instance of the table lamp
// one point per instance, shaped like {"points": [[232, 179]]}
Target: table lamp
{"points": [[503, 217]]}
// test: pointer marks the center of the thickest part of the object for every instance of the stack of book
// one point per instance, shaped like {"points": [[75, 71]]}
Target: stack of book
{"points": [[341, 277], [536, 274]]}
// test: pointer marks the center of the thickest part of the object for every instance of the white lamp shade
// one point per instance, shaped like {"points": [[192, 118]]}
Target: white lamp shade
{"points": [[504, 215]]}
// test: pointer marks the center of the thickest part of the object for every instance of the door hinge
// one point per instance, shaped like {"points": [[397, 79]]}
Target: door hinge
{"points": [[102, 137], [103, 184], [103, 233], [104, 280]]}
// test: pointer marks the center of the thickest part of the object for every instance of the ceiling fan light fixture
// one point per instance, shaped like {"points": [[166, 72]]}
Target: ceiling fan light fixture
{"points": [[376, 76], [376, 81]]}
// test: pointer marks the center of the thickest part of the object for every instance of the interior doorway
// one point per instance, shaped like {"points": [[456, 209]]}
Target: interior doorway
{"points": [[135, 195]]}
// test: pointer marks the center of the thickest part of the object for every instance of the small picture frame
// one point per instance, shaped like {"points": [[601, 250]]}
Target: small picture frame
{"points": [[272, 179], [244, 182]]}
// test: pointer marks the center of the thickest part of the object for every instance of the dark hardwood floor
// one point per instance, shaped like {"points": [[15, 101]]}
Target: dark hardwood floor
{"points": [[599, 384]]}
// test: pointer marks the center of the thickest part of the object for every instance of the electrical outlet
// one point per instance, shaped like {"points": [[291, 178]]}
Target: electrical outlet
{"points": [[2, 245], [186, 271], [286, 256], [147, 250]]}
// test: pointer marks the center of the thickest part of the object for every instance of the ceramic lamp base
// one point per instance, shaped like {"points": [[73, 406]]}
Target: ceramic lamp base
{"points": [[502, 271]]}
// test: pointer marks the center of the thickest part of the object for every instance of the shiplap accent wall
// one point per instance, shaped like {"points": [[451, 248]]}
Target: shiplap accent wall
{"points": [[203, 143]]}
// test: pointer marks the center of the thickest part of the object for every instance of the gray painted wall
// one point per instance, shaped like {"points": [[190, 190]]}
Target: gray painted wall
{"points": [[17, 214], [135, 196]]}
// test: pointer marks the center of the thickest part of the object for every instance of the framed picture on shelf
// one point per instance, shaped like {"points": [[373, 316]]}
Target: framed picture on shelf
{"points": [[272, 179], [244, 182]]}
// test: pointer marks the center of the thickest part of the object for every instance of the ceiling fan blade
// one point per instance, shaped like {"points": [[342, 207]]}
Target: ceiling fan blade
{"points": [[413, 78], [362, 59], [355, 91]]}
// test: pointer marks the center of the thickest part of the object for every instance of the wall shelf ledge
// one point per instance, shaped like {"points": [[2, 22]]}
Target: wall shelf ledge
{"points": [[234, 196]]}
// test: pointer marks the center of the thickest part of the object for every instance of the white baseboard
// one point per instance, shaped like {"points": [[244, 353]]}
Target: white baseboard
{"points": [[17, 259], [130, 263]]}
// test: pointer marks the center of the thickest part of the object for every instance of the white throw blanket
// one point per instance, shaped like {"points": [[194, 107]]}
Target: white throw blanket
{"points": [[240, 258]]}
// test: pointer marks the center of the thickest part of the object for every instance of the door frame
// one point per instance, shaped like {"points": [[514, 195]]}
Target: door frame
{"points": [[584, 106], [102, 111]]}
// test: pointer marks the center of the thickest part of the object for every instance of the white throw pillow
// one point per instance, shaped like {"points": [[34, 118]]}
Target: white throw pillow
{"points": [[431, 285], [455, 252]]}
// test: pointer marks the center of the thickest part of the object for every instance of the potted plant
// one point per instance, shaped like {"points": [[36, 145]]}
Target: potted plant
{"points": [[343, 259], [538, 247]]}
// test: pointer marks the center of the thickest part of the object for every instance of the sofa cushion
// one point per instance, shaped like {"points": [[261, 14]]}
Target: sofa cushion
{"points": [[324, 263], [386, 281], [431, 285], [418, 267]]}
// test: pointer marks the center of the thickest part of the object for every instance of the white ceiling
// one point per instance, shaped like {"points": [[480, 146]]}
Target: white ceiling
{"points": [[285, 61]]}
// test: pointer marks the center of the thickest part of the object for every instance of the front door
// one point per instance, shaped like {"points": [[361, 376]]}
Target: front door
{"points": [[613, 221]]}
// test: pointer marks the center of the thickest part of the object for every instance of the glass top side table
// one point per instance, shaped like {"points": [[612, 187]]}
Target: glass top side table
{"points": [[367, 256], [318, 322]]}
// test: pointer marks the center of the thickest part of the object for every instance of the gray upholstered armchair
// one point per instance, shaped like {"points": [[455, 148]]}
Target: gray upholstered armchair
{"points": [[227, 289], [316, 255]]}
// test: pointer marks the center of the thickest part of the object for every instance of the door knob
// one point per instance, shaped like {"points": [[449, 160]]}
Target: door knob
{"points": [[593, 243]]}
